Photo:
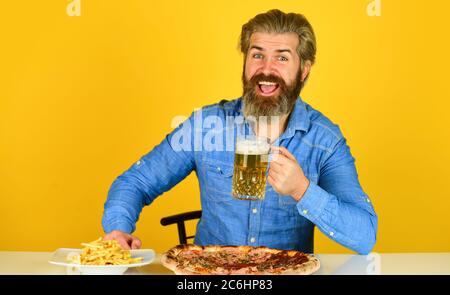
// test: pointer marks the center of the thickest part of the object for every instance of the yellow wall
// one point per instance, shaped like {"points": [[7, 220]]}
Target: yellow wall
{"points": [[82, 98]]}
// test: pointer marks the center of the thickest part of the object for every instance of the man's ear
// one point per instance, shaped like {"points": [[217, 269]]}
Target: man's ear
{"points": [[306, 70]]}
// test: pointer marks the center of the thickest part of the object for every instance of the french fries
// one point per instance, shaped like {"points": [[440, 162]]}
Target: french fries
{"points": [[101, 252]]}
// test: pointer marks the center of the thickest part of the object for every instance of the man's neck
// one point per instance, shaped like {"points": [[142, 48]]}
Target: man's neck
{"points": [[272, 129]]}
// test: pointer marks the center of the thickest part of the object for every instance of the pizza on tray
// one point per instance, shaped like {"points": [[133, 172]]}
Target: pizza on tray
{"points": [[241, 260]]}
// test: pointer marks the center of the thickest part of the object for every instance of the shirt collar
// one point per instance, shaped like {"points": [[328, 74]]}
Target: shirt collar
{"points": [[299, 119]]}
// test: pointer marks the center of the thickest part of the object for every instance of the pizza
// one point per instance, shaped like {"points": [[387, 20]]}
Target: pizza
{"points": [[241, 260]]}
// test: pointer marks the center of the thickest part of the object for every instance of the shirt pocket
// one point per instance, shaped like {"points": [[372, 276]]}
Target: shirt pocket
{"points": [[218, 181], [288, 203]]}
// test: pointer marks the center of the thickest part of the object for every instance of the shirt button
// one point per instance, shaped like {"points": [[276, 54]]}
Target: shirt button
{"points": [[252, 240], [138, 162], [255, 210], [305, 211], [218, 169], [331, 233], [368, 201]]}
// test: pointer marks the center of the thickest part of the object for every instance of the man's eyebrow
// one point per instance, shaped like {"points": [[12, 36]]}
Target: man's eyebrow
{"points": [[284, 50], [277, 50], [257, 47]]}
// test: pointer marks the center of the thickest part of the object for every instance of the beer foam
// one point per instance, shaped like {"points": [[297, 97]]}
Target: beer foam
{"points": [[252, 147]]}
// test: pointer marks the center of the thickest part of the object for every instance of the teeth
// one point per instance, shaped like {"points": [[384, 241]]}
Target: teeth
{"points": [[267, 83]]}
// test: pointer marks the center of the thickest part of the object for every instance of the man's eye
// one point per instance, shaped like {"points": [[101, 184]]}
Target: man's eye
{"points": [[257, 55], [282, 58]]}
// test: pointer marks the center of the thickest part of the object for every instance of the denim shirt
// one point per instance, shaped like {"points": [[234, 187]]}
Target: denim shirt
{"points": [[334, 200]]}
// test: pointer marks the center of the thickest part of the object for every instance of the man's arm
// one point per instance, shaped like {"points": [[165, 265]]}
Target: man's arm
{"points": [[152, 175], [337, 205]]}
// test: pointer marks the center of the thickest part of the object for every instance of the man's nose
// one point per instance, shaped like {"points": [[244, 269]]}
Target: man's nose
{"points": [[267, 67]]}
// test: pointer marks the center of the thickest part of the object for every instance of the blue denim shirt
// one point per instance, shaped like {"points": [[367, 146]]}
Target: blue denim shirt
{"points": [[334, 200]]}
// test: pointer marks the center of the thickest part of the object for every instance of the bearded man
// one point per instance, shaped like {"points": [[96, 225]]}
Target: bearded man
{"points": [[311, 182]]}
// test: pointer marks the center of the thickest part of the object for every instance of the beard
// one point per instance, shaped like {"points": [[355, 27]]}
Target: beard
{"points": [[256, 105]]}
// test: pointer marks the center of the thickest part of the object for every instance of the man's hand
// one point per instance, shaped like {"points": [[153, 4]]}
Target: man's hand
{"points": [[285, 174], [125, 240]]}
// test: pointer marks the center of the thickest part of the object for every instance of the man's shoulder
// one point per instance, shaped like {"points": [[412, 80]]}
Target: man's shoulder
{"points": [[323, 125]]}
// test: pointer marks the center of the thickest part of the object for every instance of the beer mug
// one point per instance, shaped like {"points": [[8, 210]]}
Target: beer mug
{"points": [[250, 166]]}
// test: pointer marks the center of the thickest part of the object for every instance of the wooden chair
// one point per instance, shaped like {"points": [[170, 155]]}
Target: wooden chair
{"points": [[179, 219]]}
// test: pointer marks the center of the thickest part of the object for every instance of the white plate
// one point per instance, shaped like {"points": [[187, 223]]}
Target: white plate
{"points": [[60, 258]]}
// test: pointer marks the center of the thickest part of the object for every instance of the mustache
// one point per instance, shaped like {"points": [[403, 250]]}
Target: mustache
{"points": [[268, 78]]}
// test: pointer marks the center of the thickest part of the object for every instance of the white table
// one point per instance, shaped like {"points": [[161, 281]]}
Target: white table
{"points": [[21, 263]]}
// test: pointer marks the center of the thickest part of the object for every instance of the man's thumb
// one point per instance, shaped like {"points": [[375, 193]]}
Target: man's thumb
{"points": [[136, 244]]}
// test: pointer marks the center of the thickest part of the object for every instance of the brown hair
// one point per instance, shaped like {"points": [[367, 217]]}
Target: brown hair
{"points": [[276, 21]]}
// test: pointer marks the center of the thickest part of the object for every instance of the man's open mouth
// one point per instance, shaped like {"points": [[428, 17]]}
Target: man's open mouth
{"points": [[267, 88]]}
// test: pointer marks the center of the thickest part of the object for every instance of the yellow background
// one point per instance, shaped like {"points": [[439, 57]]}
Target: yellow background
{"points": [[82, 98]]}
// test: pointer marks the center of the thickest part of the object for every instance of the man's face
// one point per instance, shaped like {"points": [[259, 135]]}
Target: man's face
{"points": [[272, 77]]}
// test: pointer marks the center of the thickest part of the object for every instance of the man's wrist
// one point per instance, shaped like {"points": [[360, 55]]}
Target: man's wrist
{"points": [[303, 187]]}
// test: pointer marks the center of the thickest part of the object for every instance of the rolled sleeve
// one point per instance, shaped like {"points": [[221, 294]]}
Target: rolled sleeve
{"points": [[122, 226]]}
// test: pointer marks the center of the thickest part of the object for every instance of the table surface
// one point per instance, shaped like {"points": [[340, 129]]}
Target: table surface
{"points": [[30, 263]]}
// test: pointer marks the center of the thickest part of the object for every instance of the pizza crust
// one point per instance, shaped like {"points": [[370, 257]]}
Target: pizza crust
{"points": [[306, 268], [171, 260], [168, 262]]}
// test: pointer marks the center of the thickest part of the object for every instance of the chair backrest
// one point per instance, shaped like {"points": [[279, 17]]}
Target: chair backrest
{"points": [[179, 219]]}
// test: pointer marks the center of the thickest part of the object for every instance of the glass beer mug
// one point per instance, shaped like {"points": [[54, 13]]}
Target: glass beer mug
{"points": [[250, 166]]}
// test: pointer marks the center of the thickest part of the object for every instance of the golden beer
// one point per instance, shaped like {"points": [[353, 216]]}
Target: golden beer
{"points": [[250, 166]]}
